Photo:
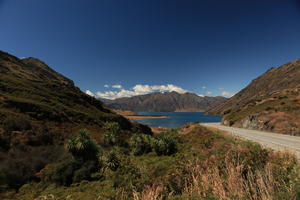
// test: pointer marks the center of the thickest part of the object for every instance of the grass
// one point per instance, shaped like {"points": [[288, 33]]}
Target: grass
{"points": [[52, 101], [208, 165]]}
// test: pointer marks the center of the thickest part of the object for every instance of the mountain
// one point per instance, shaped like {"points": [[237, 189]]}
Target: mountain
{"points": [[40, 110], [165, 102], [30, 88], [270, 102]]}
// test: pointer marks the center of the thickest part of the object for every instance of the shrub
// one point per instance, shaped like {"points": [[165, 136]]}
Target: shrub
{"points": [[127, 176], [71, 171], [63, 173], [140, 144], [85, 152], [112, 161], [227, 112], [268, 108], [82, 147], [164, 144], [141, 128], [112, 133], [18, 167], [16, 124], [85, 171]]}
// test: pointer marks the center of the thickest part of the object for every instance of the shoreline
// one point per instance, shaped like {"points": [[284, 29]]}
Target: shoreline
{"points": [[144, 117], [133, 115]]}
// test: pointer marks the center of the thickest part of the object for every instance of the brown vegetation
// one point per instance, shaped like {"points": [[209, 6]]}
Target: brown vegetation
{"points": [[269, 102]]}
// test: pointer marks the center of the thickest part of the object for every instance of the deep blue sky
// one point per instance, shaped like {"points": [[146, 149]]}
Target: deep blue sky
{"points": [[188, 43]]}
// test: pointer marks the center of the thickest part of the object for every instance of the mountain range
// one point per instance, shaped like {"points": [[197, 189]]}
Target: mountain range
{"points": [[165, 102], [270, 102]]}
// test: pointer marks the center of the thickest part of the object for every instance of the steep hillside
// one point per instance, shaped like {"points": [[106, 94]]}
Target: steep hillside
{"points": [[165, 102], [270, 102], [30, 88], [39, 110]]}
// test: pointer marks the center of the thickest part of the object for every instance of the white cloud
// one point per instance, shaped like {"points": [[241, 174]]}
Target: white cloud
{"points": [[106, 86], [226, 93], [203, 87], [200, 95], [140, 90], [118, 86], [209, 92], [88, 92]]}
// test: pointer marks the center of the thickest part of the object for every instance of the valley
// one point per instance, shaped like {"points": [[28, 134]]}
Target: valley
{"points": [[56, 142], [149, 100]]}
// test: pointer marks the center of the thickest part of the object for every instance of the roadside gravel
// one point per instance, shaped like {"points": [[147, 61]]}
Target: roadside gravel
{"points": [[275, 141]]}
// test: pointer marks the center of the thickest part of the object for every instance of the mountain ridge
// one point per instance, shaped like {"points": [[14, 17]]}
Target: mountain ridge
{"points": [[165, 102]]}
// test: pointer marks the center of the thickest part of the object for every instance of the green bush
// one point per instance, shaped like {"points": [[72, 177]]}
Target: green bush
{"points": [[70, 171], [63, 173], [85, 171], [164, 144], [127, 176], [226, 112], [112, 161], [112, 133], [82, 147], [85, 152], [140, 144]]}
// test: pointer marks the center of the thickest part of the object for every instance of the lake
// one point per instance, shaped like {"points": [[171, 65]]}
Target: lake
{"points": [[176, 119]]}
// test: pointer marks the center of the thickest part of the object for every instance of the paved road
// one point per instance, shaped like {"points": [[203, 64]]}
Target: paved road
{"points": [[273, 140]]}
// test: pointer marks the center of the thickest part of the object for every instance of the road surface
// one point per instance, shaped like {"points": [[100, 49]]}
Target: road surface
{"points": [[275, 141]]}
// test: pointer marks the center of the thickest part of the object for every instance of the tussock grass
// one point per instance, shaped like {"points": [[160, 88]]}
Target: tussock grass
{"points": [[208, 165]]}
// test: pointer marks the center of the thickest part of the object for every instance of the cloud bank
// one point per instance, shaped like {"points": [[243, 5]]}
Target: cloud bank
{"points": [[136, 90], [118, 91]]}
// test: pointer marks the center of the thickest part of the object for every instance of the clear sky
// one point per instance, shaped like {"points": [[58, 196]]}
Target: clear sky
{"points": [[141, 46]]}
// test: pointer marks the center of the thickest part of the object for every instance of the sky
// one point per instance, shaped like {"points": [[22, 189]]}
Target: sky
{"points": [[117, 48]]}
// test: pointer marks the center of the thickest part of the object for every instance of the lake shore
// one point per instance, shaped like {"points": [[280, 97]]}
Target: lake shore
{"points": [[144, 117], [133, 115]]}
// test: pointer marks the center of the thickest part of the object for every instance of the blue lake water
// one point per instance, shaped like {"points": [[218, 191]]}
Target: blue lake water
{"points": [[176, 119]]}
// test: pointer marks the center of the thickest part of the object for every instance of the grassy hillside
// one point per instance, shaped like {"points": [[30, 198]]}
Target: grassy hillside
{"points": [[270, 102], [39, 110], [30, 88], [203, 164]]}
